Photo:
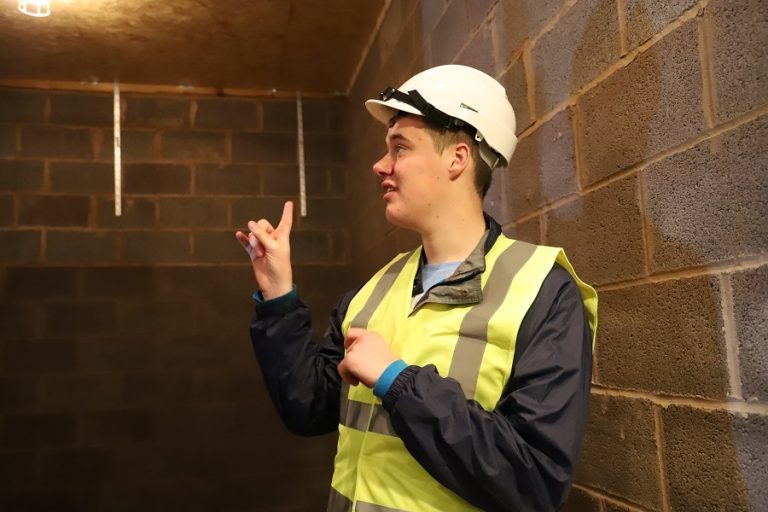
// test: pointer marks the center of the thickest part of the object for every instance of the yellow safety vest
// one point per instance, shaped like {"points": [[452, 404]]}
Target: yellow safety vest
{"points": [[472, 343]]}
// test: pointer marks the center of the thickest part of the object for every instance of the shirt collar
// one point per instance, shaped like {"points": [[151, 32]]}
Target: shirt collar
{"points": [[464, 285]]}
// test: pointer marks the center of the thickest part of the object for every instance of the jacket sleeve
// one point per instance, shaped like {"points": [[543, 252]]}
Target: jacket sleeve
{"points": [[300, 374], [522, 455]]}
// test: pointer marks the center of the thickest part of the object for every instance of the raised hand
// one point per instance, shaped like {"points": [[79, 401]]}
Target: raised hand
{"points": [[270, 252]]}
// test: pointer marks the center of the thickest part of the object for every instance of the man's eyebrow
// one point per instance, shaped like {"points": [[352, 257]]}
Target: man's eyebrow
{"points": [[397, 136]]}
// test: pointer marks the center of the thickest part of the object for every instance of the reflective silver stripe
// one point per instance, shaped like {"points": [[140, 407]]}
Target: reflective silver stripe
{"points": [[370, 507], [361, 320], [379, 291], [473, 333], [380, 422], [344, 403], [337, 502], [358, 416]]}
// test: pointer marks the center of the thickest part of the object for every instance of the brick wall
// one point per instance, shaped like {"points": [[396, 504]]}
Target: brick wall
{"points": [[127, 380], [643, 127]]}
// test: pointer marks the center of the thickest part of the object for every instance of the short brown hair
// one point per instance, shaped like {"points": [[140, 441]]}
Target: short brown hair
{"points": [[443, 137]]}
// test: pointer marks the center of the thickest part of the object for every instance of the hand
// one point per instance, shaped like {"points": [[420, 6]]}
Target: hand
{"points": [[270, 252], [368, 355]]}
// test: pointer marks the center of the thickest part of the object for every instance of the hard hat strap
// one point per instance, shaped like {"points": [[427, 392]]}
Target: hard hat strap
{"points": [[416, 100]]}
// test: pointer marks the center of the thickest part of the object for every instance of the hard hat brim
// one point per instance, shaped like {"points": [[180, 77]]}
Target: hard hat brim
{"points": [[383, 111]]}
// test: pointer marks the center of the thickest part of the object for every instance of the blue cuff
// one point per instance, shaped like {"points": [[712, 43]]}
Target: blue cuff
{"points": [[387, 377], [258, 297]]}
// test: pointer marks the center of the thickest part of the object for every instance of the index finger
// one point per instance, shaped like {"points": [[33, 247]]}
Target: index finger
{"points": [[286, 222]]}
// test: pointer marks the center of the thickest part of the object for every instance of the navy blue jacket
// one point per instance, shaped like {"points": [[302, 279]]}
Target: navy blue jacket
{"points": [[522, 455]]}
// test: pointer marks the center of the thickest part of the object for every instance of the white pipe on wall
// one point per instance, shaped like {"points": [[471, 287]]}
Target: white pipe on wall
{"points": [[118, 168], [302, 173]]}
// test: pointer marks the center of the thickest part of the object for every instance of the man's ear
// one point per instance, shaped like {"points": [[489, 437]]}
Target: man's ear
{"points": [[460, 155]]}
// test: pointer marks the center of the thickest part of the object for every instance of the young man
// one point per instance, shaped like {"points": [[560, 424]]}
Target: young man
{"points": [[458, 376]]}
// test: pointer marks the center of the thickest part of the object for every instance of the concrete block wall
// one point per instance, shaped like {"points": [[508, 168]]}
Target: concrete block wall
{"points": [[127, 379], [643, 127]]}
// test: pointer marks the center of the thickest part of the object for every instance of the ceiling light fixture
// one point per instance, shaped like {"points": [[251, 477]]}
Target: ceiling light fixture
{"points": [[36, 8]]}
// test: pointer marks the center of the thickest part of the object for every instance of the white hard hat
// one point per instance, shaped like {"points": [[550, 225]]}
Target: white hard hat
{"points": [[455, 95]]}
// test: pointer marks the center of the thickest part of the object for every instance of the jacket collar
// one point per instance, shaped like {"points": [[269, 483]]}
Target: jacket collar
{"points": [[464, 285]]}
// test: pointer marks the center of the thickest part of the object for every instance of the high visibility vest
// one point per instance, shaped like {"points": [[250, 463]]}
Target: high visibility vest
{"points": [[472, 343]]}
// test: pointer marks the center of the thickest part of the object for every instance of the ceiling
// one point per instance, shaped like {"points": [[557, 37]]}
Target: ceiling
{"points": [[287, 45]]}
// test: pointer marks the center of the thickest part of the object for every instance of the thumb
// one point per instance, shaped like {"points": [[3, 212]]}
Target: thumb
{"points": [[352, 334], [355, 332]]}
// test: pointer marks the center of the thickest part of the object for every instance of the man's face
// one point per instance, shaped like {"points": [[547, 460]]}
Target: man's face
{"points": [[413, 175]]}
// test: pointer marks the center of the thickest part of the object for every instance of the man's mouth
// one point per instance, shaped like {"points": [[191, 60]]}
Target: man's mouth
{"points": [[388, 188]]}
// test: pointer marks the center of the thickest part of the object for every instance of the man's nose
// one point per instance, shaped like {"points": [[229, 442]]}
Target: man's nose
{"points": [[384, 166]]}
